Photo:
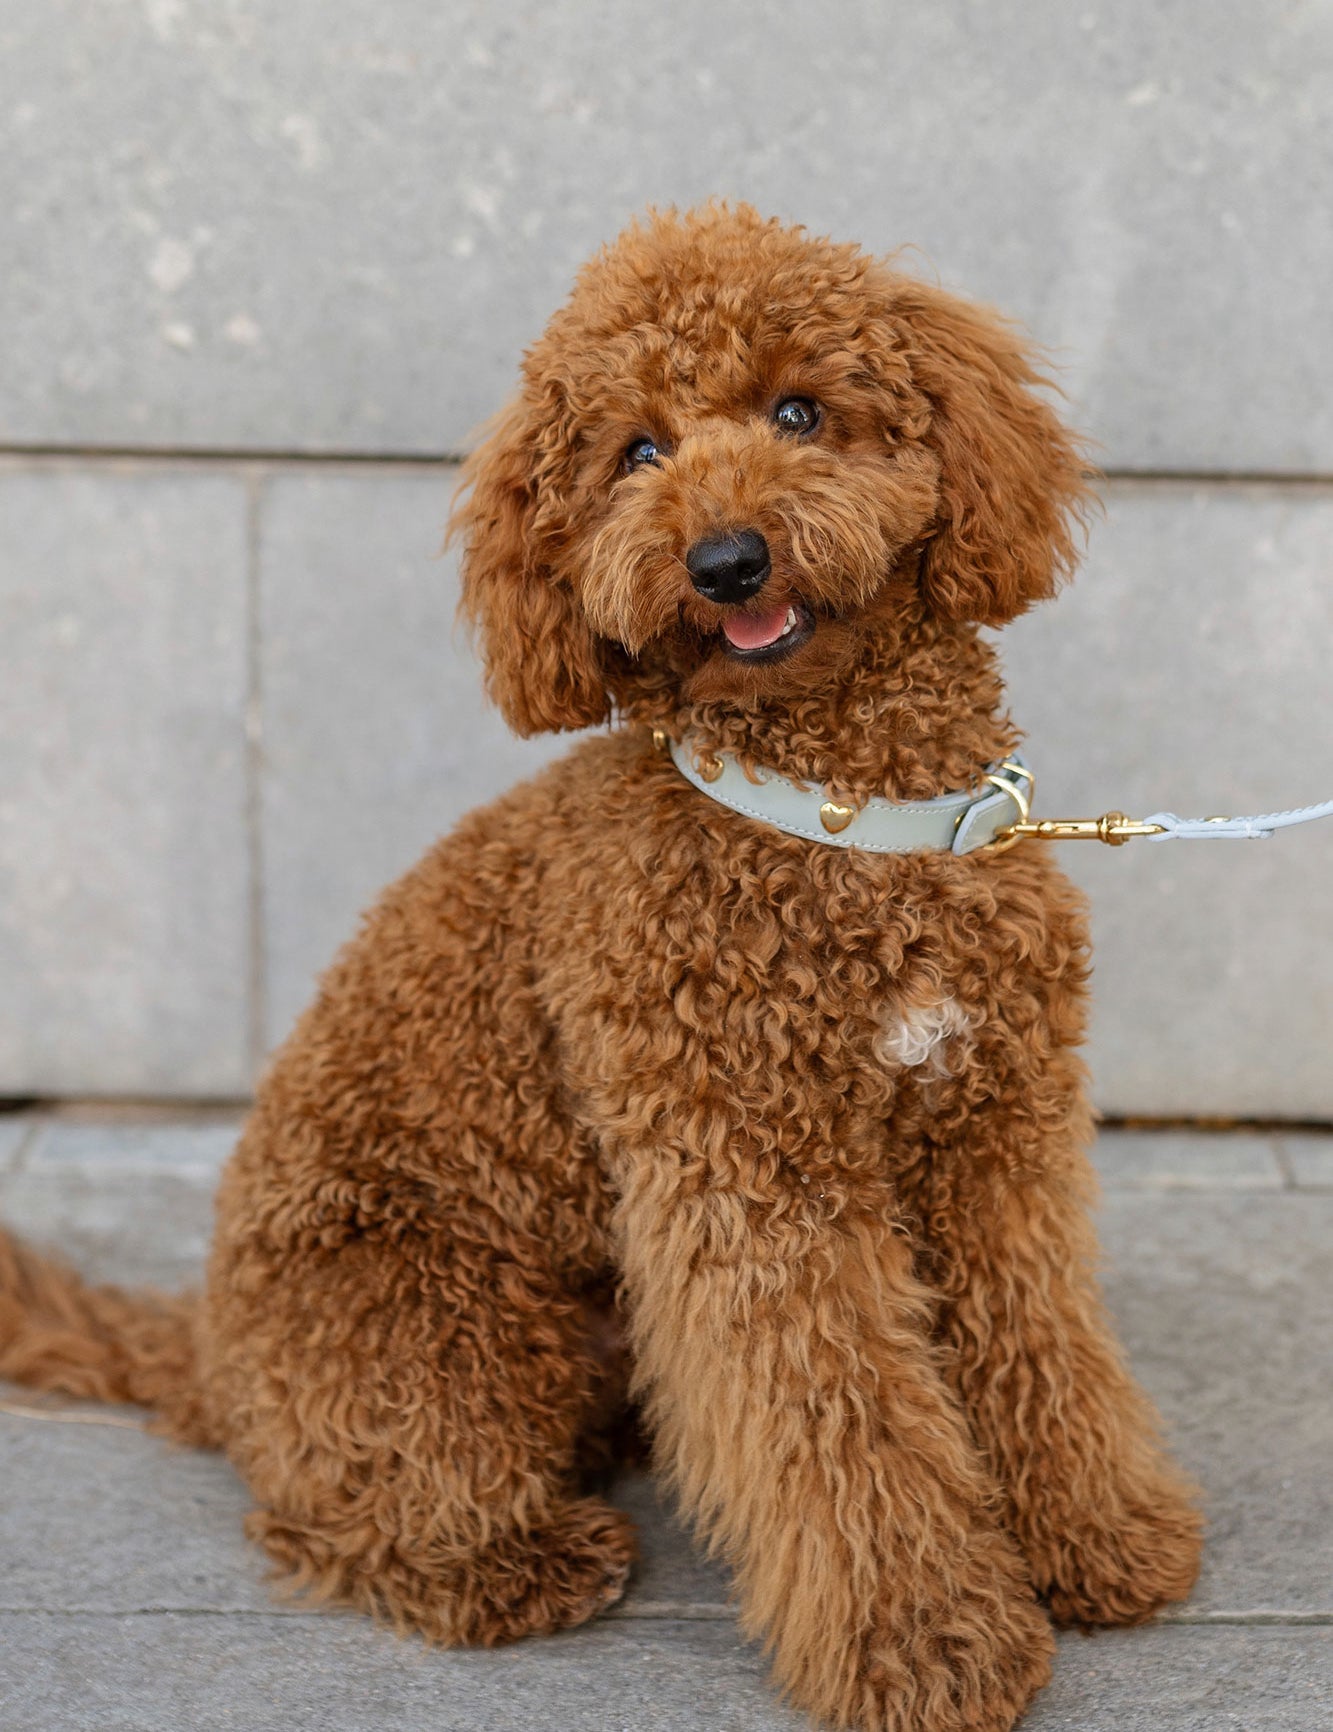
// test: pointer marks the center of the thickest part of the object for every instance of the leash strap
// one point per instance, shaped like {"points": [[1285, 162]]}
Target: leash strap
{"points": [[1115, 828], [1170, 827]]}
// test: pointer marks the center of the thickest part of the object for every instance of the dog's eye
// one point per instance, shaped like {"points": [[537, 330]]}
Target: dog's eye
{"points": [[796, 415], [640, 452]]}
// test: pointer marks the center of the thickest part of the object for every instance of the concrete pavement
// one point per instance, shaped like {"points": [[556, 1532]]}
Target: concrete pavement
{"points": [[129, 1599]]}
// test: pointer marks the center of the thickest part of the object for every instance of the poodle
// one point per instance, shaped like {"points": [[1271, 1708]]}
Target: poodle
{"points": [[627, 1097]]}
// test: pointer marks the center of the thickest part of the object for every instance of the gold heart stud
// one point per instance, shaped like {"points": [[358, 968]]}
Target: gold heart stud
{"points": [[835, 817], [710, 768]]}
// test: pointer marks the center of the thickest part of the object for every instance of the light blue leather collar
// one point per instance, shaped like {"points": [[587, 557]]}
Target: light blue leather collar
{"points": [[955, 823]]}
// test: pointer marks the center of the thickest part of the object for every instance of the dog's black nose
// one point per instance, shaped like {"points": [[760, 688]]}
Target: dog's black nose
{"points": [[728, 567]]}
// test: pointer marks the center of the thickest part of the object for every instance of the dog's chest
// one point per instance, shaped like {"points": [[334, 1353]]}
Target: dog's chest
{"points": [[929, 1033], [780, 976]]}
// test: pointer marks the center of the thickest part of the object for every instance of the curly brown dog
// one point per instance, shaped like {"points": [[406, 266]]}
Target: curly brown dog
{"points": [[807, 1119]]}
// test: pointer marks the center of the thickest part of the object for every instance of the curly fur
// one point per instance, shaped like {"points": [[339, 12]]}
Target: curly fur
{"points": [[620, 1091]]}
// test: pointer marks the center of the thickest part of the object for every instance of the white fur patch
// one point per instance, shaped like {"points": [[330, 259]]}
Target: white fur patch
{"points": [[922, 1035]]}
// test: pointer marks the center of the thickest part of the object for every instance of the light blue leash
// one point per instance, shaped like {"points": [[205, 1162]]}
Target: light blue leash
{"points": [[1259, 829], [1115, 828]]}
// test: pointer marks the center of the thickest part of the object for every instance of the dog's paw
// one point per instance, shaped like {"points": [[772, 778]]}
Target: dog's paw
{"points": [[549, 1578], [959, 1680], [1125, 1572], [552, 1578], [948, 1656]]}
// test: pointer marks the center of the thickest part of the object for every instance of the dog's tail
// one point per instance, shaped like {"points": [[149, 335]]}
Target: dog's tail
{"points": [[58, 1332]]}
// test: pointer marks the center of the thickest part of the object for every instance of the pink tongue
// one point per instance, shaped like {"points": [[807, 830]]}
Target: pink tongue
{"points": [[750, 631]]}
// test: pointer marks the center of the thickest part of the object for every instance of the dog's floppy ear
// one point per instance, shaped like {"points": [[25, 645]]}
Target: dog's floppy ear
{"points": [[1013, 488], [542, 663]]}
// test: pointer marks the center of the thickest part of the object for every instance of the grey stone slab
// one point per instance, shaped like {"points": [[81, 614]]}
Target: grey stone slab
{"points": [[1186, 670], [141, 1526], [123, 847], [337, 1674], [375, 735], [673, 1576], [100, 1518], [126, 1202], [1186, 1160], [14, 1132], [283, 224], [1311, 1160], [329, 1673], [1222, 1299], [1189, 1680], [1225, 1306], [131, 1600]]}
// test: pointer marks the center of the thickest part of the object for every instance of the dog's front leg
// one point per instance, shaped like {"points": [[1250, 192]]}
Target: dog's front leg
{"points": [[1110, 1528], [782, 1347]]}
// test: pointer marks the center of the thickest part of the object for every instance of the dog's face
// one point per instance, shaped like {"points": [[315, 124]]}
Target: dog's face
{"points": [[736, 451]]}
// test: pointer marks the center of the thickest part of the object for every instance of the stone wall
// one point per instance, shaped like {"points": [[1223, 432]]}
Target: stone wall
{"points": [[267, 262]]}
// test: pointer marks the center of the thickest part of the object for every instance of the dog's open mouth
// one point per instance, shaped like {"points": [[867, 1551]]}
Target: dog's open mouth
{"points": [[767, 636]]}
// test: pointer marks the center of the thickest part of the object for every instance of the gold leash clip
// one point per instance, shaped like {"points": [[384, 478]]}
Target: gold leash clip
{"points": [[1113, 828]]}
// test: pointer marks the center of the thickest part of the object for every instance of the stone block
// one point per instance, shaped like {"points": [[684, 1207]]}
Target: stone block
{"points": [[375, 735], [1187, 670], [114, 1521], [324, 1673], [297, 227], [1224, 1305], [1311, 1159], [81, 1186], [123, 835], [14, 1133], [1186, 1161], [1188, 1680], [673, 1578]]}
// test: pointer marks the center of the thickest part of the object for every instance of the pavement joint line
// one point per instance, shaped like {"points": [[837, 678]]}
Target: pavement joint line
{"points": [[110, 1114], [1259, 1618]]}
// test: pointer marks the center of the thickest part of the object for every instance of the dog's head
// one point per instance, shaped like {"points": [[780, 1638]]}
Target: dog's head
{"points": [[736, 450]]}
